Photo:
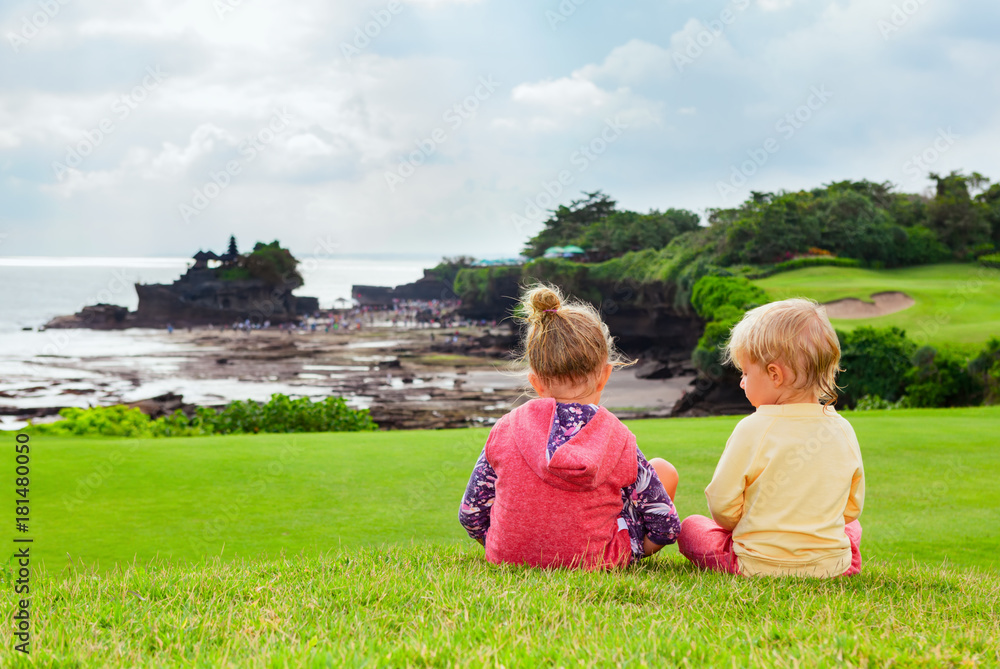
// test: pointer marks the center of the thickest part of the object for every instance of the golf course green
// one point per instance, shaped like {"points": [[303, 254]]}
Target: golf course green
{"points": [[954, 304]]}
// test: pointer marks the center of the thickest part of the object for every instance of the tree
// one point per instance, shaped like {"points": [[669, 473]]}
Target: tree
{"points": [[854, 226], [624, 231], [875, 363], [941, 379], [959, 221], [908, 209], [568, 223], [863, 220], [446, 270], [273, 265], [990, 201], [782, 228], [986, 366]]}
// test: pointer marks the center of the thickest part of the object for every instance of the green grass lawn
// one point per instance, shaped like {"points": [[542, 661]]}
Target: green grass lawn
{"points": [[345, 550], [931, 480], [424, 605], [954, 303]]}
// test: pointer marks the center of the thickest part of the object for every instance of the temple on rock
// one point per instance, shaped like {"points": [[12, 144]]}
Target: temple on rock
{"points": [[216, 289]]}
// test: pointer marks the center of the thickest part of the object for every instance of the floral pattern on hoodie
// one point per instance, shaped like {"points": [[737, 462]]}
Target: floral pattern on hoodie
{"points": [[646, 508]]}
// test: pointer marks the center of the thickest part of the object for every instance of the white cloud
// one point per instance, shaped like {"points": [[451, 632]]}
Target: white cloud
{"points": [[352, 121], [634, 62], [774, 5], [439, 3], [596, 91], [576, 93]]}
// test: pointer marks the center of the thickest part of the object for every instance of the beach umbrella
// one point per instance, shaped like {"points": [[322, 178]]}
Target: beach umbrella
{"points": [[572, 250], [554, 251]]}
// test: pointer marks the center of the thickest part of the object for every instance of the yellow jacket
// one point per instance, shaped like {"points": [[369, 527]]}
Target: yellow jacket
{"points": [[789, 480]]}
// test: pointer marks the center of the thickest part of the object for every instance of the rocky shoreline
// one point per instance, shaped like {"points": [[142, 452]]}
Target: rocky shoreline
{"points": [[408, 378]]}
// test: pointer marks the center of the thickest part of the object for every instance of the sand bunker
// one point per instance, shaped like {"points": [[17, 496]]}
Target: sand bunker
{"points": [[884, 304]]}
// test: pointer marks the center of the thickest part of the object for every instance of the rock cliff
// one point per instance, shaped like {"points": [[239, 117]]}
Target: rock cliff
{"points": [[207, 295]]}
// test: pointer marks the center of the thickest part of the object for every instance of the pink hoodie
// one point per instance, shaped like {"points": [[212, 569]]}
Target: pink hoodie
{"points": [[562, 512]]}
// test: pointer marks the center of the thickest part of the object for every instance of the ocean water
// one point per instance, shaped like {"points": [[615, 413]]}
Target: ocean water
{"points": [[36, 289], [86, 367]]}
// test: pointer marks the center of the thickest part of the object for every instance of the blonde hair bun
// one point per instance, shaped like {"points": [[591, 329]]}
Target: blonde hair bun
{"points": [[541, 301]]}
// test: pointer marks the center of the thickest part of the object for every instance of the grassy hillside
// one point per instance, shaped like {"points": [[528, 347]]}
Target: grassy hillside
{"points": [[931, 489], [955, 304], [445, 606]]}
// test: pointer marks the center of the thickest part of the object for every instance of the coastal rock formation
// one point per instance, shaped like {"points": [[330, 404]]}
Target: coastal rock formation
{"points": [[425, 289], [710, 398], [199, 298], [216, 290], [96, 317]]}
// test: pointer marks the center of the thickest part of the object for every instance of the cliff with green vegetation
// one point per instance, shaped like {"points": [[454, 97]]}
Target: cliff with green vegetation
{"points": [[643, 270], [656, 258]]}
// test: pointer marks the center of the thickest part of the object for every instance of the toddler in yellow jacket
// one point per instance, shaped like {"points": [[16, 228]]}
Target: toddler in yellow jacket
{"points": [[790, 484]]}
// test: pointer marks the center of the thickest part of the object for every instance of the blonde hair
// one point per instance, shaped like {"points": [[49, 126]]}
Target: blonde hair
{"points": [[795, 332], [565, 340]]}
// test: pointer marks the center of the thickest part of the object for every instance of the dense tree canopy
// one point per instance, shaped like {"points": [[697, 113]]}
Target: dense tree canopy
{"points": [[863, 220], [272, 264], [568, 223]]}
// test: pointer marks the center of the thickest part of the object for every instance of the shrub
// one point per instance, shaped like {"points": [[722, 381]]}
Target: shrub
{"points": [[707, 355], [986, 367], [110, 421], [480, 288], [941, 379], [688, 278], [114, 421], [234, 274], [875, 362], [799, 263], [712, 293], [722, 301], [990, 260], [876, 403], [922, 247], [280, 414]]}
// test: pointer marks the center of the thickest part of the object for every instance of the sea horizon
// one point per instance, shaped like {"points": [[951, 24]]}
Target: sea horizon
{"points": [[175, 260], [39, 288]]}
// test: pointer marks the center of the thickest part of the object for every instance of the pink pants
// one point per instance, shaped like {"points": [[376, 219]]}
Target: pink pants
{"points": [[710, 547]]}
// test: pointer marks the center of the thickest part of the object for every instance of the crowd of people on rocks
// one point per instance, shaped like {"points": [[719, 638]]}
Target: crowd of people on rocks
{"points": [[411, 314]]}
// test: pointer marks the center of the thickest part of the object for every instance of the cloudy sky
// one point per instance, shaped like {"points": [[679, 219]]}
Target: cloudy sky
{"points": [[438, 127]]}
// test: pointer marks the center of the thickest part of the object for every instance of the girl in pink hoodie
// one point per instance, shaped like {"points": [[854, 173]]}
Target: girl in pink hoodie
{"points": [[561, 481]]}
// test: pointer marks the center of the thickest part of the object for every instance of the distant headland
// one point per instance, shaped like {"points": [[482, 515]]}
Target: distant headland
{"points": [[215, 290]]}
